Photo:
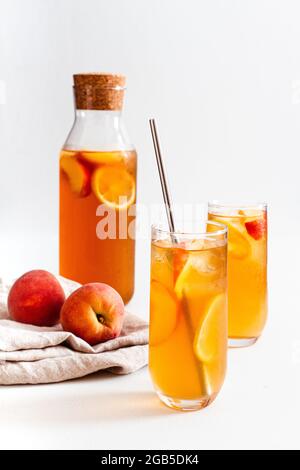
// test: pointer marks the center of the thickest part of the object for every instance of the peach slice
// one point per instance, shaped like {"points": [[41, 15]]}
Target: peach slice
{"points": [[161, 266], [77, 174], [257, 228], [208, 338], [199, 274], [238, 245], [180, 257], [167, 262], [163, 312], [105, 158], [113, 184]]}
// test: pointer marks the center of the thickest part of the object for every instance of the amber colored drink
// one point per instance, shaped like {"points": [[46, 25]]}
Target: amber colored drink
{"points": [[247, 270], [188, 319], [89, 180]]}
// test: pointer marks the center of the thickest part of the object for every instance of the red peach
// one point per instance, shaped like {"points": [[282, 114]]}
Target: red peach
{"points": [[36, 298], [94, 312]]}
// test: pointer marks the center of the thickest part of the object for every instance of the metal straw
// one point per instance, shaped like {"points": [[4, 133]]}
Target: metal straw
{"points": [[205, 387], [162, 176]]}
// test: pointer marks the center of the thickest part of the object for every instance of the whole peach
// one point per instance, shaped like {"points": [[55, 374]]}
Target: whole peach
{"points": [[94, 312], [36, 298]]}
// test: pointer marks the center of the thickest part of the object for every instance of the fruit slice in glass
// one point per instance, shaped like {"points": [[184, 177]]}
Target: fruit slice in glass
{"points": [[162, 299]]}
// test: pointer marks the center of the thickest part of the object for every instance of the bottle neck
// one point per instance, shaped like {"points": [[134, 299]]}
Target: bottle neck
{"points": [[106, 117], [98, 130]]}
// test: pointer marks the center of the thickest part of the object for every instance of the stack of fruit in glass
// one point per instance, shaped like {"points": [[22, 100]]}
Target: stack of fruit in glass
{"points": [[247, 269], [188, 315]]}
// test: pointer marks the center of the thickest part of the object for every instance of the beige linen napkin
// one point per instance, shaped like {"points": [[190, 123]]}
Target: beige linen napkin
{"points": [[31, 354]]}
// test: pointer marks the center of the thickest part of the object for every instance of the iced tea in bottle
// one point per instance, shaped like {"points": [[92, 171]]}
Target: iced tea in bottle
{"points": [[98, 188]]}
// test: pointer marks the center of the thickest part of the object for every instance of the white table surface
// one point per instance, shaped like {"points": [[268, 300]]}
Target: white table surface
{"points": [[258, 406]]}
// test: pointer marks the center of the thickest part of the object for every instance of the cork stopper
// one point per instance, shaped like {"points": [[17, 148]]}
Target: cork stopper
{"points": [[100, 91]]}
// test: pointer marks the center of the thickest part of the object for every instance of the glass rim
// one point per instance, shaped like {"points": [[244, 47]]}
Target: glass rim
{"points": [[223, 230], [233, 205]]}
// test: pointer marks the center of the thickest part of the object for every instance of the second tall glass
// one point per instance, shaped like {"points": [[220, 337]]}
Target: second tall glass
{"points": [[247, 269]]}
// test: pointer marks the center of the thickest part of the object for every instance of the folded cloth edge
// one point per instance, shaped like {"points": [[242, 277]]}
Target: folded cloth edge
{"points": [[69, 357]]}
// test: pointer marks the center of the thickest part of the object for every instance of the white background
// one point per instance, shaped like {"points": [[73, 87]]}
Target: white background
{"points": [[223, 80]]}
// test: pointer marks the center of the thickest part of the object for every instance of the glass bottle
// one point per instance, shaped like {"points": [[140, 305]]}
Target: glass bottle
{"points": [[98, 188]]}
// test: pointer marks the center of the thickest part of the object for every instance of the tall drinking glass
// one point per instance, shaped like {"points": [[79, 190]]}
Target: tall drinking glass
{"points": [[247, 269], [188, 315]]}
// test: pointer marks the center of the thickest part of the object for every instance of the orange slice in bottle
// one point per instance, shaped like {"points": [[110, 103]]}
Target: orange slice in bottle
{"points": [[208, 338], [77, 174], [105, 158], [163, 313], [114, 187]]}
